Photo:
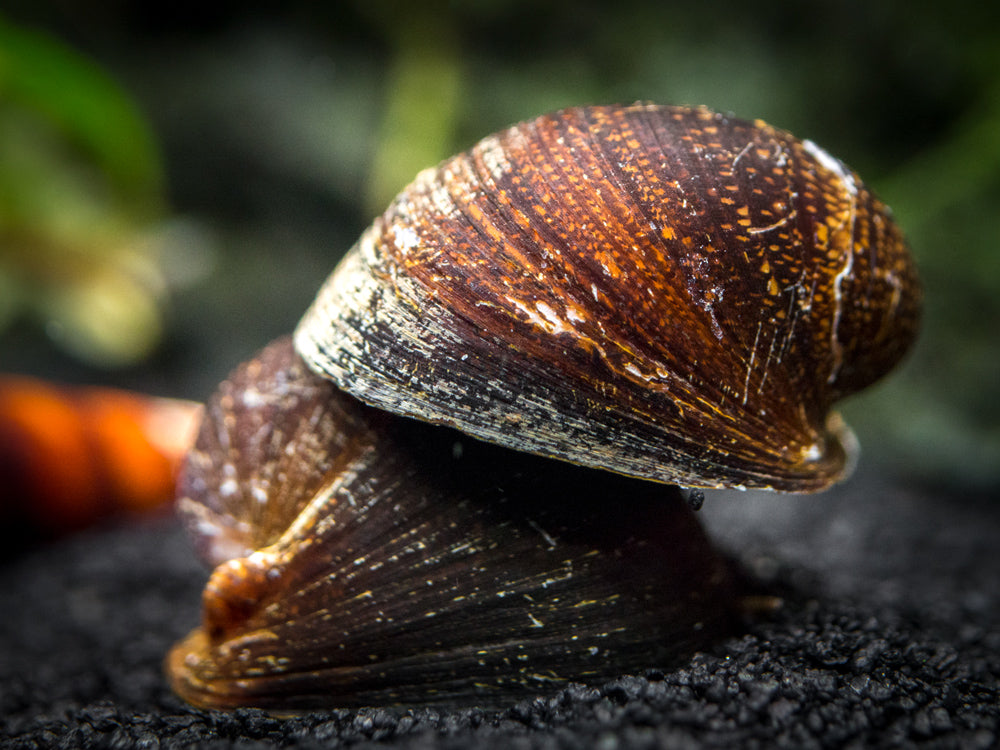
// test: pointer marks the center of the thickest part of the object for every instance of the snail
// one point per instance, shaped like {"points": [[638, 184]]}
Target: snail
{"points": [[699, 287], [396, 562], [641, 293]]}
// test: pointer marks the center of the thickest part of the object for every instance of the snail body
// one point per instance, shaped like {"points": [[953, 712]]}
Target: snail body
{"points": [[664, 293]]}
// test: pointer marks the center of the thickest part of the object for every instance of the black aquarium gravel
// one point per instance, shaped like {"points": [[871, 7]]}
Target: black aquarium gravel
{"points": [[888, 636]]}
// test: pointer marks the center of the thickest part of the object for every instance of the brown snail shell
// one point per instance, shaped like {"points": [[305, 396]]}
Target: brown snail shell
{"points": [[664, 292], [365, 559]]}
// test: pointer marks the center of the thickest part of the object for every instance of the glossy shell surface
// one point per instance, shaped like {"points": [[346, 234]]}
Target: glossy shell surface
{"points": [[663, 292], [366, 559]]}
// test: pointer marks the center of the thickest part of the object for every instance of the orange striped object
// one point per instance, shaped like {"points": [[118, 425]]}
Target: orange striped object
{"points": [[70, 456]]}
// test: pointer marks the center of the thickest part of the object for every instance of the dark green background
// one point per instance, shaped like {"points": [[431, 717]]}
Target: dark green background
{"points": [[284, 130]]}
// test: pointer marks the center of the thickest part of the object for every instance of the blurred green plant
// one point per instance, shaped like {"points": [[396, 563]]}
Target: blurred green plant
{"points": [[422, 95], [81, 195]]}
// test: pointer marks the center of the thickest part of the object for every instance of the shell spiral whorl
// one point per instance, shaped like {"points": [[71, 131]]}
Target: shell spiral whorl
{"points": [[692, 289]]}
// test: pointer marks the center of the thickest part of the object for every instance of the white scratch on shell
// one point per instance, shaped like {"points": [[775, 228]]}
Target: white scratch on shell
{"points": [[847, 180], [835, 345], [741, 154], [543, 317], [771, 227], [767, 363], [545, 535], [832, 164], [753, 355], [636, 372]]}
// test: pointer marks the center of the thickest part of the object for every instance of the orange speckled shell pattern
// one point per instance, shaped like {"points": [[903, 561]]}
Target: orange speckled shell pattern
{"points": [[663, 292]]}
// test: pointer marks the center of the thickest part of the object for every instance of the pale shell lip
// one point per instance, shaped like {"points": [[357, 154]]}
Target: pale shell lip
{"points": [[662, 292], [848, 440]]}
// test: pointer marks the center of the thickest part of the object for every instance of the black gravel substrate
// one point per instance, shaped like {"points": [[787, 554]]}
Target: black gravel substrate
{"points": [[889, 636]]}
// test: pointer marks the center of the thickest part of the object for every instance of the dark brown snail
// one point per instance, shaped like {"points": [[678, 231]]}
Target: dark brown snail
{"points": [[691, 289], [387, 565], [666, 293]]}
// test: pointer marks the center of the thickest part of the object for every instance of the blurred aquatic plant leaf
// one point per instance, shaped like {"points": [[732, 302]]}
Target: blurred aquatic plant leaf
{"points": [[86, 106], [81, 195], [422, 96]]}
